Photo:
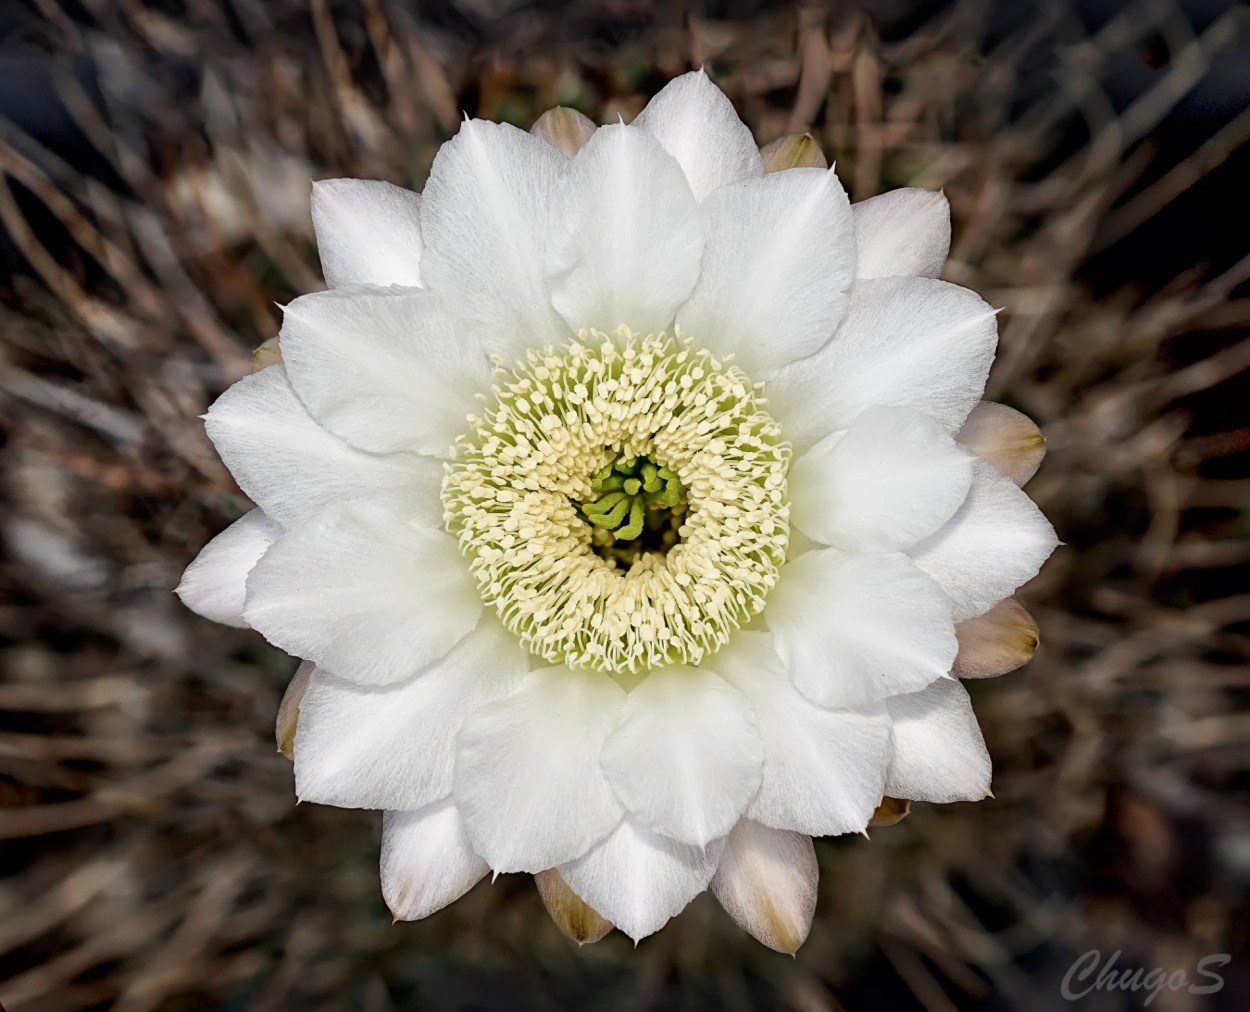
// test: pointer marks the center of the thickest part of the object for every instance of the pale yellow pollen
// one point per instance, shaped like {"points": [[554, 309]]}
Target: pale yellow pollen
{"points": [[512, 490]]}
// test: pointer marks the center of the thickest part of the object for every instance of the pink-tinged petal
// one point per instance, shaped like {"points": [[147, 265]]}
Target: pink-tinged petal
{"points": [[368, 232], [215, 583], [427, 861], [1001, 640], [1006, 438], [567, 130], [697, 125], [939, 754], [638, 879], [901, 233], [527, 776], [766, 881]]}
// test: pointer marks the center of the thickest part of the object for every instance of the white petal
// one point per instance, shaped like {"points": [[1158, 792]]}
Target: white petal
{"points": [[1006, 438], [687, 756], [427, 861], [939, 754], [638, 879], [903, 232], [394, 746], [294, 469], [215, 582], [368, 232], [893, 478], [915, 342], [767, 882], [779, 262], [823, 769], [384, 369], [366, 594], [697, 125], [483, 222], [997, 541], [625, 236], [852, 629], [528, 780]]}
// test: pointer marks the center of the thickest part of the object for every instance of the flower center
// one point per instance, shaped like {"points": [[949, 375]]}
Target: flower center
{"points": [[622, 504]]}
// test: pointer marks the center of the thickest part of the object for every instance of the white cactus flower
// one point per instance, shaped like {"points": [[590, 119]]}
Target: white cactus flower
{"points": [[635, 511]]}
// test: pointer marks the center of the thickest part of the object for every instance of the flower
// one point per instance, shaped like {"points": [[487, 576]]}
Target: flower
{"points": [[634, 510]]}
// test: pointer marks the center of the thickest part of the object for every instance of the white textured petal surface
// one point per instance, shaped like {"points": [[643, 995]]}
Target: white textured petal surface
{"points": [[996, 542], [365, 593], [528, 780], [852, 629], [903, 232], [891, 479], [215, 583], [383, 368], [368, 232], [913, 342], [483, 221], [823, 769], [638, 879], [779, 262], [697, 125], [625, 237], [1009, 440], [939, 754], [767, 882], [294, 469], [393, 747], [427, 861], [687, 756]]}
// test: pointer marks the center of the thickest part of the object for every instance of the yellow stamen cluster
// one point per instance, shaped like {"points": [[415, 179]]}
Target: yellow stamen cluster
{"points": [[513, 489]]}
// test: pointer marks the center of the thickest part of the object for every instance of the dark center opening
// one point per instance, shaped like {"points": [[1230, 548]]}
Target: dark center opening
{"points": [[637, 507]]}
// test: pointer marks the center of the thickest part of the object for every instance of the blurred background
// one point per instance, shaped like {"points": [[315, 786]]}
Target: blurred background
{"points": [[155, 158]]}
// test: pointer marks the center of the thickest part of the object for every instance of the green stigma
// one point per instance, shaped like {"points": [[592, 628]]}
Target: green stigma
{"points": [[627, 488]]}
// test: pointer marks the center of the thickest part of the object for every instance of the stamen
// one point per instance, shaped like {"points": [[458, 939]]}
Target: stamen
{"points": [[581, 448]]}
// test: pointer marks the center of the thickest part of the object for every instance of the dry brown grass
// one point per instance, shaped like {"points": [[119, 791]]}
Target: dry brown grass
{"points": [[151, 851]]}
